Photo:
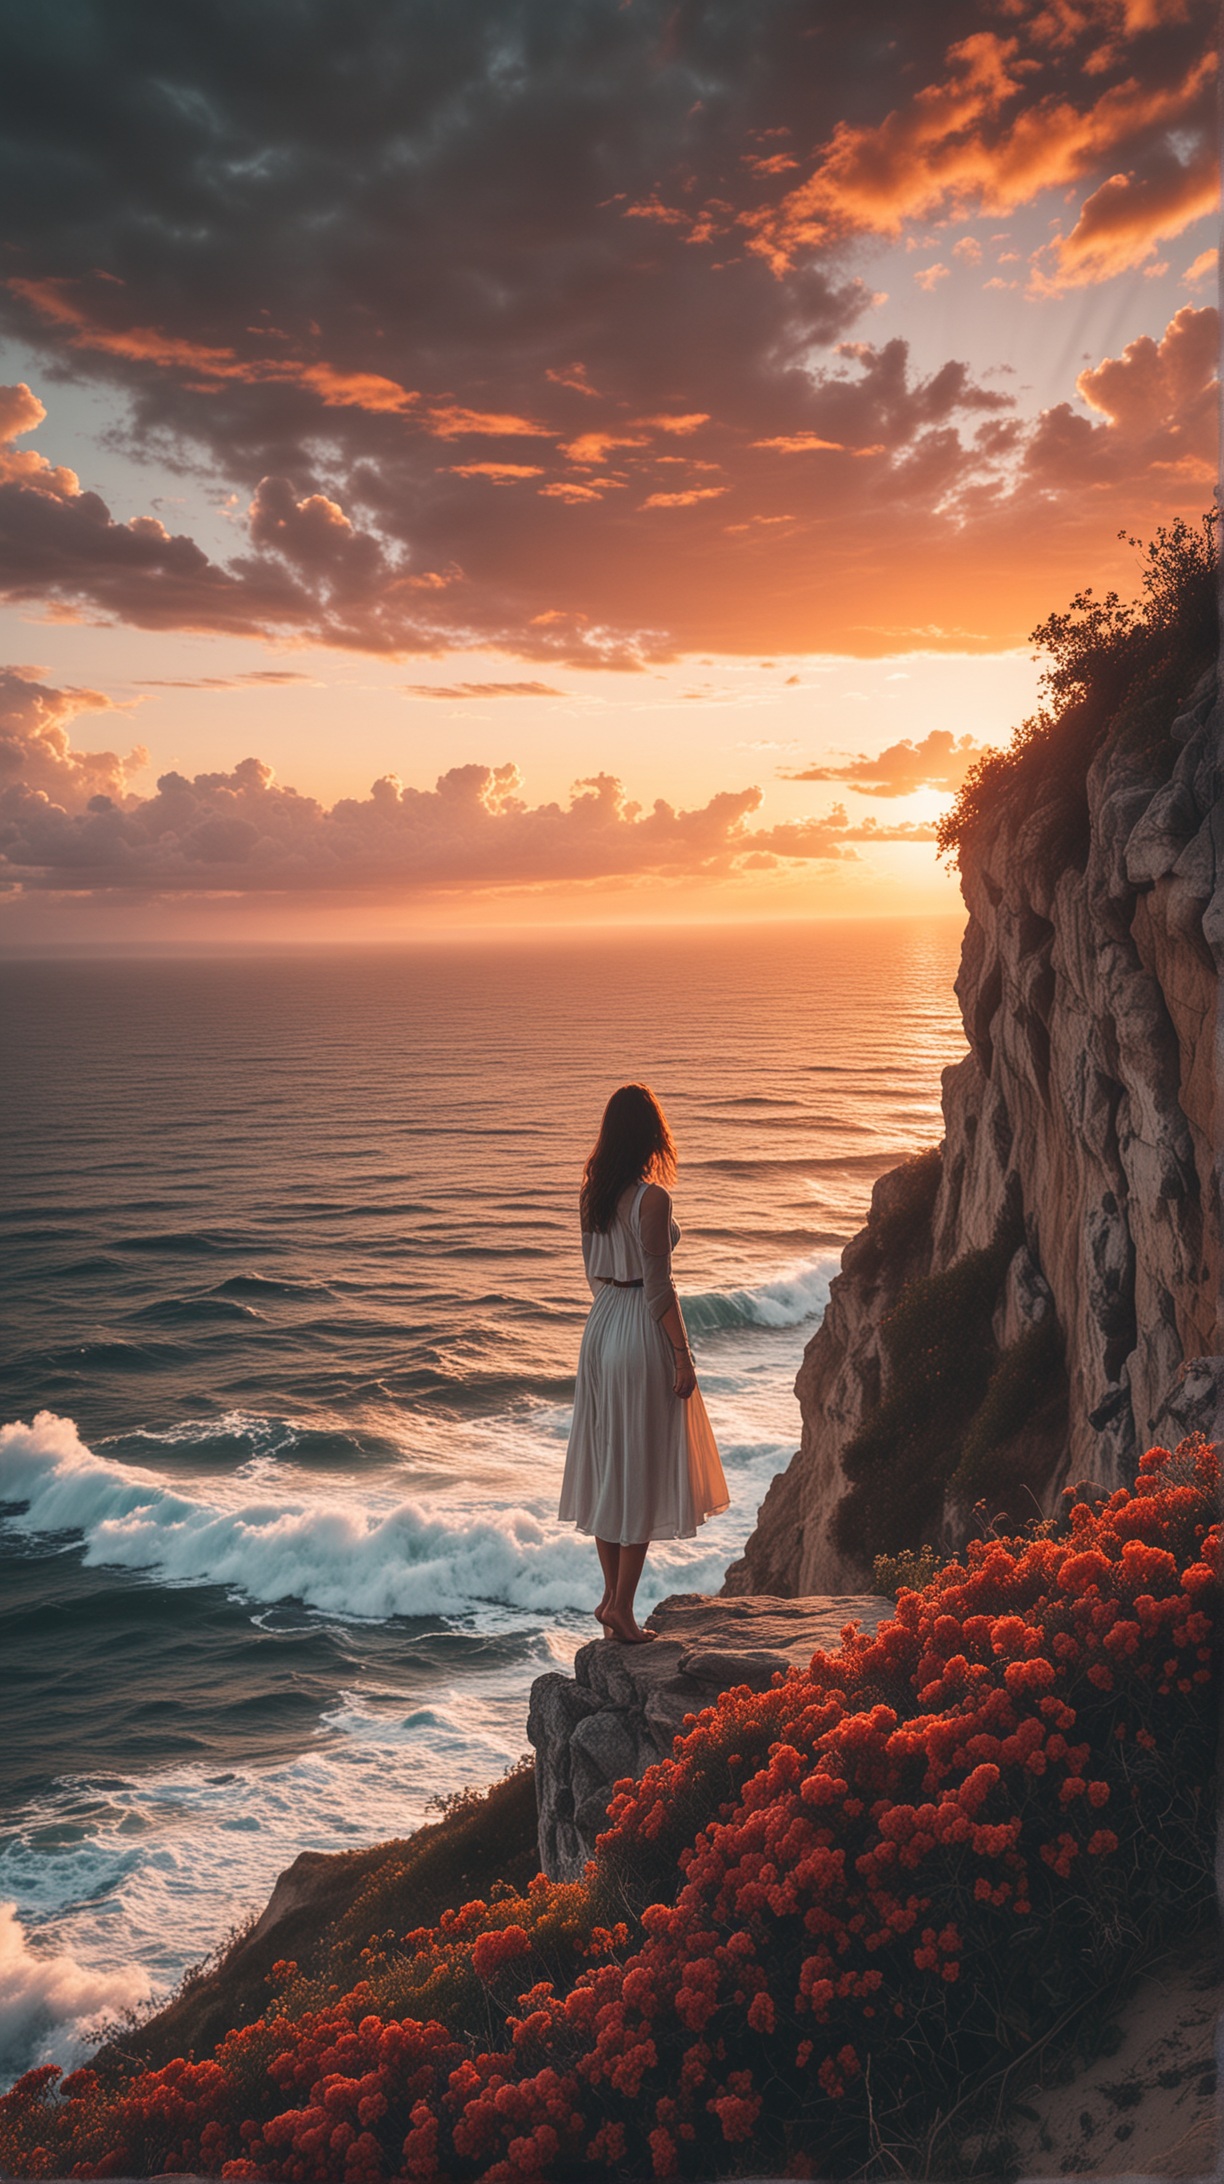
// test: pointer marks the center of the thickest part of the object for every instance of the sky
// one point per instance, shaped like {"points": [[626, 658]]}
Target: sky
{"points": [[485, 466]]}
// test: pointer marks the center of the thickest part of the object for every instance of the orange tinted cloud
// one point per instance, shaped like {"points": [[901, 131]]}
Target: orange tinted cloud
{"points": [[1160, 387], [243, 832], [594, 447], [255, 678], [683, 424], [950, 149], [37, 760], [686, 499], [958, 527], [1122, 222], [575, 377], [940, 761], [803, 443], [482, 690], [501, 473], [450, 421], [148, 345]]}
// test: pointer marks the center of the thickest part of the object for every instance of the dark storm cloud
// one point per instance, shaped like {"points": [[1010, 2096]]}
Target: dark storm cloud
{"points": [[520, 324]]}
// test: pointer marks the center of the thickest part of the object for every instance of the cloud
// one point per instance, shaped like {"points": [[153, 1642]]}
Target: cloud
{"points": [[242, 831], [482, 690], [444, 311], [686, 423], [1157, 403], [255, 678], [951, 489], [595, 447], [36, 755], [940, 761], [979, 139], [802, 443], [500, 473], [148, 345], [688, 498], [1122, 222], [452, 422], [573, 376]]}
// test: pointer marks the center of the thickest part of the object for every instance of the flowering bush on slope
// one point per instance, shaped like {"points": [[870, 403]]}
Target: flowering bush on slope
{"points": [[905, 1863]]}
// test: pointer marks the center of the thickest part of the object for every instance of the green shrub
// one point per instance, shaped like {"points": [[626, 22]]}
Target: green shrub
{"points": [[1026, 1377], [908, 1571], [941, 1354], [1119, 672], [906, 1221]]}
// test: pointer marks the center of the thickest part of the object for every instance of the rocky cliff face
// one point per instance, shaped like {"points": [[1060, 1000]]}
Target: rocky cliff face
{"points": [[1089, 1109]]}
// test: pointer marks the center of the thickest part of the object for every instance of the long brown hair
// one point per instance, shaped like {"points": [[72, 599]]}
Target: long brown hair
{"points": [[633, 1141]]}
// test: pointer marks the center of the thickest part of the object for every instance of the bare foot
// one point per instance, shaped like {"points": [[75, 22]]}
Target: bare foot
{"points": [[601, 1612], [621, 1626]]}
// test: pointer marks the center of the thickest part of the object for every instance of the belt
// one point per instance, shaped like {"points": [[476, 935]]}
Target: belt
{"points": [[611, 1278]]}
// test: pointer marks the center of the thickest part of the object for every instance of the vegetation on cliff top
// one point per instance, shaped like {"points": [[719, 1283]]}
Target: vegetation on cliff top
{"points": [[1119, 672], [843, 1900]]}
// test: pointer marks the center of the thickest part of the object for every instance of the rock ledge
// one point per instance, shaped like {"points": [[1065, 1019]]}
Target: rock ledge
{"points": [[623, 1706]]}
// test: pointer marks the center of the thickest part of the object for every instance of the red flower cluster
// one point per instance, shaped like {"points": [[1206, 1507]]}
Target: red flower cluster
{"points": [[1018, 1752]]}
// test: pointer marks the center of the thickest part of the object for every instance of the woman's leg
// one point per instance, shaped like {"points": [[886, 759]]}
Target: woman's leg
{"points": [[619, 1618], [609, 1559]]}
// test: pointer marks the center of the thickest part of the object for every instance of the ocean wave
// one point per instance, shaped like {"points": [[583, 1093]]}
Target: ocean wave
{"points": [[786, 1301], [113, 1356], [48, 2000], [263, 1285], [183, 1311], [185, 1243], [402, 1560]]}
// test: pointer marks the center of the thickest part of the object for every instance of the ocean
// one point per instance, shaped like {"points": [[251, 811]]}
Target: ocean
{"points": [[293, 1298]]}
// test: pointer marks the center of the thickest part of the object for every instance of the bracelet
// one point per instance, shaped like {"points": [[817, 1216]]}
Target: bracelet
{"points": [[681, 1349]]}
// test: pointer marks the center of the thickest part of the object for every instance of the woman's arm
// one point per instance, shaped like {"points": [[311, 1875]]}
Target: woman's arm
{"points": [[661, 1300], [593, 1284]]}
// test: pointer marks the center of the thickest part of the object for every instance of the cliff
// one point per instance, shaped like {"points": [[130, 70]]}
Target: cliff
{"points": [[1039, 1302]]}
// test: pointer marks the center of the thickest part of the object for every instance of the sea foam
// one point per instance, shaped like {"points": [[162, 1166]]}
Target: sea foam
{"points": [[48, 2001], [401, 1559]]}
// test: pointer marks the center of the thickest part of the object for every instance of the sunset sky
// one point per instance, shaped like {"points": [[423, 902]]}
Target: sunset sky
{"points": [[519, 461]]}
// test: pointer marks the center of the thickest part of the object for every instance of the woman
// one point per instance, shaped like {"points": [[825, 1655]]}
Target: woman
{"points": [[642, 1462]]}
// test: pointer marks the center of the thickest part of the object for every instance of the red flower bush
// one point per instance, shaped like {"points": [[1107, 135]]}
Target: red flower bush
{"points": [[893, 1868]]}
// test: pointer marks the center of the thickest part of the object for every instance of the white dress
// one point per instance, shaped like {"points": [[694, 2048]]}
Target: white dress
{"points": [[641, 1464]]}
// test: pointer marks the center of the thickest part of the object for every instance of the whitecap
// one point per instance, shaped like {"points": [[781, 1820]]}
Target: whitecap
{"points": [[787, 1300]]}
